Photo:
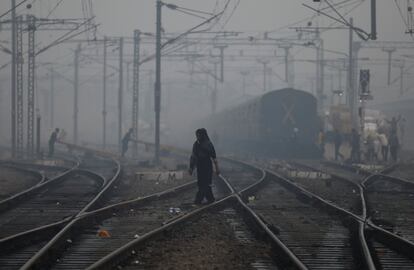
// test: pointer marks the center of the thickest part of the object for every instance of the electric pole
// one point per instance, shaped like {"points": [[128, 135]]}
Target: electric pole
{"points": [[350, 88], [389, 51], [157, 94], [13, 80], [214, 93], [76, 90], [287, 48], [120, 90], [104, 94], [52, 97], [135, 91], [264, 63], [321, 78], [31, 84], [244, 74], [373, 35], [19, 85], [221, 48], [401, 66]]}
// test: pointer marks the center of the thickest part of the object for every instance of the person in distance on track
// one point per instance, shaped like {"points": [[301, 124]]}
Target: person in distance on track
{"points": [[355, 146], [337, 139], [202, 157], [52, 140], [125, 141]]}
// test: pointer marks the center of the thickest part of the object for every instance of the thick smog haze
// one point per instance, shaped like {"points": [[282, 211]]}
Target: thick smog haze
{"points": [[187, 85]]}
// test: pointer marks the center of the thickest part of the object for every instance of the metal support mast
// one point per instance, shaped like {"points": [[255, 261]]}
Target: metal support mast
{"points": [[264, 63], [389, 51], [214, 93], [321, 79], [157, 92], [221, 48], [120, 90], [19, 84], [76, 92], [13, 77], [402, 78], [135, 91], [52, 97], [31, 84], [244, 74], [373, 19], [350, 88], [104, 95], [286, 47]]}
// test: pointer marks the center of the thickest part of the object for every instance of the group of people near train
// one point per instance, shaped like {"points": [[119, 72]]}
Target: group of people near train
{"points": [[382, 144]]}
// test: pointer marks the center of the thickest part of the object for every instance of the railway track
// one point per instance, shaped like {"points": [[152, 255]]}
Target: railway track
{"points": [[14, 180], [342, 192], [121, 222], [222, 236], [304, 230], [320, 239], [388, 250], [132, 185], [31, 219], [390, 255], [383, 193], [50, 203], [404, 170]]}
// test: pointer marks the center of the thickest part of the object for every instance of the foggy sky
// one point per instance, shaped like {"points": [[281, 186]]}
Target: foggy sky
{"points": [[121, 17]]}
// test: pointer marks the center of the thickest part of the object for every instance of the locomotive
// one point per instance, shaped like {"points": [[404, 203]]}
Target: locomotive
{"points": [[281, 123]]}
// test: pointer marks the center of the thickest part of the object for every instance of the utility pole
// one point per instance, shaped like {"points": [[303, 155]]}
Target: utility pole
{"points": [[389, 51], [76, 90], [214, 93], [157, 94], [321, 79], [38, 120], [13, 77], [19, 84], [31, 84], [401, 66], [104, 94], [287, 48], [52, 97], [350, 88], [244, 74], [264, 63], [135, 91], [221, 48], [120, 90], [373, 19]]}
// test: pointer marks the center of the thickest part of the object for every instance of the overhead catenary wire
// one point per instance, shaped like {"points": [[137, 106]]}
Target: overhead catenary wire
{"points": [[402, 15], [10, 10], [54, 8]]}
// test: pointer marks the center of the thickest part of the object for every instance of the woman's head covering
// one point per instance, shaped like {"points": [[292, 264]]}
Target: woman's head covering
{"points": [[202, 135]]}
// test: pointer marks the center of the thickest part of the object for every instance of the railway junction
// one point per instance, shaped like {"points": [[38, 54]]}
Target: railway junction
{"points": [[206, 135], [91, 211]]}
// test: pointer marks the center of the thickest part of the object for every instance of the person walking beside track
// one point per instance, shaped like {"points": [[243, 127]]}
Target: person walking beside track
{"points": [[355, 146], [52, 140], [202, 157], [384, 146], [125, 141]]}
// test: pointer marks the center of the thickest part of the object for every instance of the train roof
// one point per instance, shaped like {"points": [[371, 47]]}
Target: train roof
{"points": [[287, 91], [283, 91]]}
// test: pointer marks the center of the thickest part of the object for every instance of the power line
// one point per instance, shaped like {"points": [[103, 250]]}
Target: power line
{"points": [[10, 10], [402, 17], [54, 8]]}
